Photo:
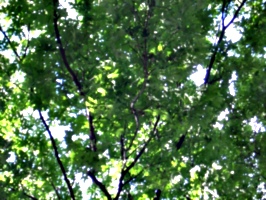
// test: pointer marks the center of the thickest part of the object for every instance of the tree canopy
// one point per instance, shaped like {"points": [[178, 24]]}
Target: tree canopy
{"points": [[98, 102]]}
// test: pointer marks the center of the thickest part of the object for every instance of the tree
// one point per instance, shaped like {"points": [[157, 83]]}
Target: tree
{"points": [[115, 76]]}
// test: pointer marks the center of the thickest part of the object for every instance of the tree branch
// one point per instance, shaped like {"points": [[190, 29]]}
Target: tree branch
{"points": [[10, 43], [72, 73], [145, 61], [135, 112], [56, 191], [236, 13], [215, 51], [122, 145], [99, 184], [180, 142], [125, 171], [158, 193], [31, 197], [28, 43], [93, 138], [131, 178], [62, 50], [70, 189]]}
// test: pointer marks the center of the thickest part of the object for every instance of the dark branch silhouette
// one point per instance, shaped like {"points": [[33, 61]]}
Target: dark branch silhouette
{"points": [[70, 189], [99, 184], [12, 46], [158, 193], [10, 43], [224, 27], [132, 177], [31, 197], [72, 73], [62, 50], [122, 145], [180, 142]]}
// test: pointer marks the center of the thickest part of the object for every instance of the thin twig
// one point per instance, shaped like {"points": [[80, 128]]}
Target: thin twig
{"points": [[28, 43], [30, 196], [56, 191], [135, 113], [10, 43]]}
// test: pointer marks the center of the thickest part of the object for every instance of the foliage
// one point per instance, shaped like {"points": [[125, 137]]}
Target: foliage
{"points": [[101, 92]]}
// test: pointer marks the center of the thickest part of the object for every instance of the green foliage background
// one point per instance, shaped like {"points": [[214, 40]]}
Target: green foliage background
{"points": [[116, 77]]}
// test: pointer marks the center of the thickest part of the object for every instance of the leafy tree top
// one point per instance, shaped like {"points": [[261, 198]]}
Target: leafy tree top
{"points": [[106, 97]]}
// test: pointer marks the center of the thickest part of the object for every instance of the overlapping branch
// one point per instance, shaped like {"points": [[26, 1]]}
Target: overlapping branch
{"points": [[224, 27], [70, 189]]}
